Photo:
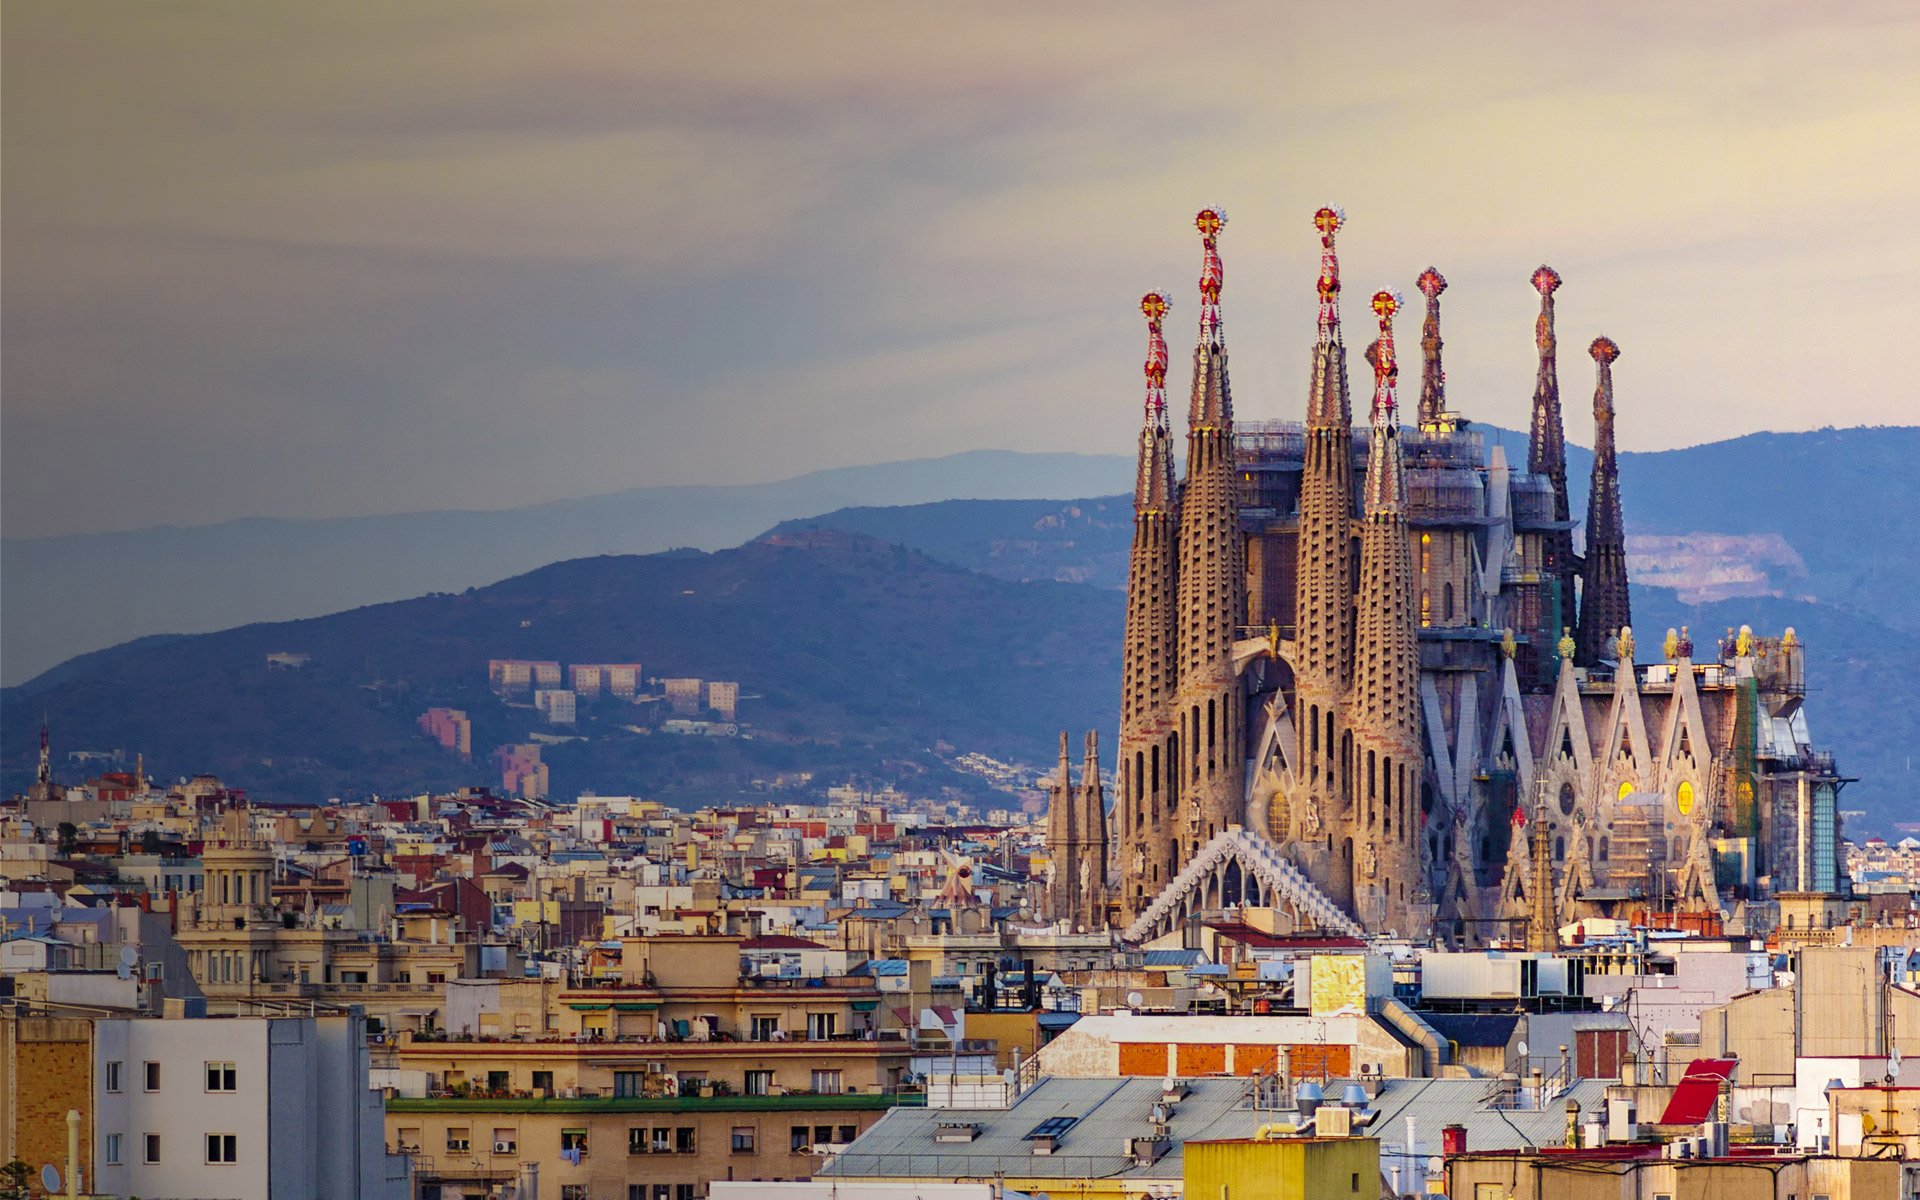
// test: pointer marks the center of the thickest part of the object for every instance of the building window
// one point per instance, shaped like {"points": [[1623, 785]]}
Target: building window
{"points": [[821, 1026], [685, 1191], [152, 1075], [799, 1139], [627, 1083], [110, 1150], [222, 1077], [683, 1142], [543, 1081], [113, 1077], [152, 1154], [459, 1141], [636, 1139], [763, 1027], [573, 1145], [759, 1083], [506, 1141], [662, 1140], [845, 1134], [826, 1083], [573, 1191], [743, 1139], [223, 1148]]}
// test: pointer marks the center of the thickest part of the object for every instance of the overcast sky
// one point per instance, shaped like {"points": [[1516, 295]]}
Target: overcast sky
{"points": [[325, 259]]}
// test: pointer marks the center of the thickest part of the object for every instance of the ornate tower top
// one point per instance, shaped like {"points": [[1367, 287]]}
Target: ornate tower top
{"points": [[1328, 221], [1153, 488], [1154, 306], [1604, 351], [1210, 222], [1433, 379], [1546, 281], [1386, 487], [1386, 366], [45, 772]]}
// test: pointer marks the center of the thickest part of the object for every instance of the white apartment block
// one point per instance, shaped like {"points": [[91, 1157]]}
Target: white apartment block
{"points": [[239, 1108], [559, 704]]}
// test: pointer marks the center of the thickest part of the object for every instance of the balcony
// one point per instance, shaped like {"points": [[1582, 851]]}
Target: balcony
{"points": [[874, 1101]]}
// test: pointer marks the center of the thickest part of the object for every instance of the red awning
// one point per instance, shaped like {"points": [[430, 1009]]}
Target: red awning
{"points": [[1699, 1088]]}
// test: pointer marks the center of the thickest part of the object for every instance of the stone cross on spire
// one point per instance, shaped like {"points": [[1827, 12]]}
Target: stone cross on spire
{"points": [[1153, 487], [1433, 378]]}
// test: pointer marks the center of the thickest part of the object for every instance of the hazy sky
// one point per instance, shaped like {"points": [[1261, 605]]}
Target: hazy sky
{"points": [[322, 259]]}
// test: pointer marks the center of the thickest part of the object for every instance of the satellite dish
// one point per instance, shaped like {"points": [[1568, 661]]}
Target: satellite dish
{"points": [[1521, 1049], [1436, 1164], [50, 1179], [1135, 999], [124, 971], [129, 957]]}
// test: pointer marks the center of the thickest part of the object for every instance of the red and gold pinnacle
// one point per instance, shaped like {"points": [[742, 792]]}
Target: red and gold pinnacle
{"points": [[1328, 221]]}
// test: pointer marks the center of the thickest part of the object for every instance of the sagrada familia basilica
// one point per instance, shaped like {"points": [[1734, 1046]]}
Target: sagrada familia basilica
{"points": [[1371, 682]]}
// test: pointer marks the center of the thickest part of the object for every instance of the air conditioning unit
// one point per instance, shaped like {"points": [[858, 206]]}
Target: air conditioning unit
{"points": [[503, 1148], [1333, 1120]]}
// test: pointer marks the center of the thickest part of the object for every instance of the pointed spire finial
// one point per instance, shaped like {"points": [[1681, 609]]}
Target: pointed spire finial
{"points": [[1210, 221], [1386, 367], [1154, 306], [1328, 221], [1546, 281], [1385, 487], [1433, 380]]}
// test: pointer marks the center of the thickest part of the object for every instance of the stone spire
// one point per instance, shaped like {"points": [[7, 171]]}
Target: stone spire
{"points": [[1383, 705], [1386, 493], [1547, 456], [44, 775], [1148, 783], [1090, 865], [1604, 604], [1323, 596], [1062, 836], [1212, 585], [1076, 889], [1433, 377], [1153, 483]]}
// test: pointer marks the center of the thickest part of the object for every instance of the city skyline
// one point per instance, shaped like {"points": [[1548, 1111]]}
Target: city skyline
{"points": [[301, 268]]}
